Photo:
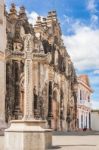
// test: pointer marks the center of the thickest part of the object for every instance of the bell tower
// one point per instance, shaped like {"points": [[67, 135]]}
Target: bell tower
{"points": [[2, 63]]}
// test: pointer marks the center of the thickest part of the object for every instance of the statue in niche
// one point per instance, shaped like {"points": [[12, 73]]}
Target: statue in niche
{"points": [[18, 42], [9, 41], [38, 42], [28, 44], [47, 47], [44, 102], [36, 48], [36, 111], [41, 105], [18, 46]]}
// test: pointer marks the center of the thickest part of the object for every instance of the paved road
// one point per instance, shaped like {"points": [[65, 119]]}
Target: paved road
{"points": [[71, 141], [76, 141]]}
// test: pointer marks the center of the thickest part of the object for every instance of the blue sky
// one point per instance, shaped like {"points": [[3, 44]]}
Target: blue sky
{"points": [[80, 28]]}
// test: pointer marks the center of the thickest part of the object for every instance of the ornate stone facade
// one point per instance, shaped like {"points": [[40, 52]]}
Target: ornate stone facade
{"points": [[54, 77]]}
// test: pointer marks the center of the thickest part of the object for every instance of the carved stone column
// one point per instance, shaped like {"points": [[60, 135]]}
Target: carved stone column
{"points": [[28, 103], [28, 79], [50, 104]]}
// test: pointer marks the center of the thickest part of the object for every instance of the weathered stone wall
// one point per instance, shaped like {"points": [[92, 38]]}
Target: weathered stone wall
{"points": [[2, 27], [2, 90], [2, 61]]}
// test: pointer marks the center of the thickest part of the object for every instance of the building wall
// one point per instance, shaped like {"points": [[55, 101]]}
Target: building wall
{"points": [[84, 104], [95, 120], [2, 61], [83, 118]]}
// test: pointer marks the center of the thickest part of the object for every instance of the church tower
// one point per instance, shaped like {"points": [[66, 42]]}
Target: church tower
{"points": [[2, 63]]}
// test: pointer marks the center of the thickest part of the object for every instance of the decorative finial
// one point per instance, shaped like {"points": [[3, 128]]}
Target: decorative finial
{"points": [[22, 13], [49, 13], [54, 15], [44, 19], [13, 12], [38, 18], [38, 22], [22, 10], [13, 9]]}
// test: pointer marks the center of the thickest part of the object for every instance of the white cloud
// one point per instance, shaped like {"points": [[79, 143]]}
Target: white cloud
{"points": [[95, 104], [83, 46], [94, 18], [32, 17], [94, 21], [96, 72], [67, 19], [91, 5]]}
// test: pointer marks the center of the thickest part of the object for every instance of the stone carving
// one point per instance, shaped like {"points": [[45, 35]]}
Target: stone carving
{"points": [[41, 44], [28, 43], [28, 103], [18, 47]]}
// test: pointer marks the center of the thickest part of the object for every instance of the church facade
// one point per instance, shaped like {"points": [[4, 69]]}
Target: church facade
{"points": [[54, 91]]}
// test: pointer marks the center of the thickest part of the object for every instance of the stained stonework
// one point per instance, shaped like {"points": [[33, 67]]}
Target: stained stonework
{"points": [[2, 64], [54, 77]]}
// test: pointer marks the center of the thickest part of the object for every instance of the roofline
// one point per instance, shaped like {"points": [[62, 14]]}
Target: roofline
{"points": [[84, 84]]}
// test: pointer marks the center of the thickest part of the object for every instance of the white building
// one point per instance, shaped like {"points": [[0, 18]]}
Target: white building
{"points": [[84, 103], [95, 120]]}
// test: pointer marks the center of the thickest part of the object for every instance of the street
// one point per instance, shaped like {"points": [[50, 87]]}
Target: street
{"points": [[76, 141], [71, 141]]}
